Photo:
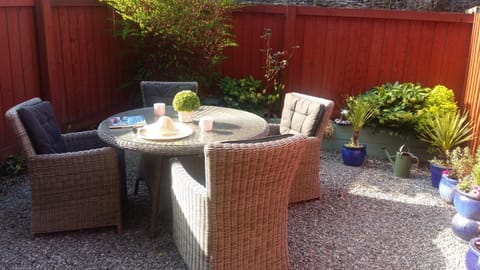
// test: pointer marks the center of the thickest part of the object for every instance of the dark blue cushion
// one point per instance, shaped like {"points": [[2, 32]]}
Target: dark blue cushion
{"points": [[41, 126]]}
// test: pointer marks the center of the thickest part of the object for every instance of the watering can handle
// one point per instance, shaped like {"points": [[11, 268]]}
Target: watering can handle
{"points": [[414, 157]]}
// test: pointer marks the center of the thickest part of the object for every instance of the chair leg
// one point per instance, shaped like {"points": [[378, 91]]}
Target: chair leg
{"points": [[137, 182]]}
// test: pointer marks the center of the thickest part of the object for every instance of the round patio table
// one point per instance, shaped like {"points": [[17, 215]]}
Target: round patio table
{"points": [[228, 125]]}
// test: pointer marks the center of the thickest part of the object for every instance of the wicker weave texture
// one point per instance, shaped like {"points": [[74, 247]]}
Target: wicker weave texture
{"points": [[238, 220], [73, 190], [306, 184]]}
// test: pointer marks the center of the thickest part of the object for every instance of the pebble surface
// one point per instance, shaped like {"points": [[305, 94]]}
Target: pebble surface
{"points": [[366, 219]]}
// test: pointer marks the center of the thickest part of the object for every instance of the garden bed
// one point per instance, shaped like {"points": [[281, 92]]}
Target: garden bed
{"points": [[376, 141]]}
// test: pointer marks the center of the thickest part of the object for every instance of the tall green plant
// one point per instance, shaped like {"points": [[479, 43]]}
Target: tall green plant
{"points": [[177, 39], [443, 131], [359, 112]]}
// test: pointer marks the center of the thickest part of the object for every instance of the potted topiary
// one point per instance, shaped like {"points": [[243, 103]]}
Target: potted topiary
{"points": [[443, 132], [186, 102], [358, 112]]}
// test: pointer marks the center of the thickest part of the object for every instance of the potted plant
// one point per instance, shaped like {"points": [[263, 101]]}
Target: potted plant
{"points": [[461, 161], [465, 224], [358, 112], [444, 131], [186, 102]]}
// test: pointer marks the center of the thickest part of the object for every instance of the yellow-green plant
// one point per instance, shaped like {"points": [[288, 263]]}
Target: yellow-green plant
{"points": [[359, 112], [445, 131]]}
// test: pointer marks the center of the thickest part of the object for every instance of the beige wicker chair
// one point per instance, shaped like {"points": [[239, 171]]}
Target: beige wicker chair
{"points": [[238, 218], [78, 189], [307, 115]]}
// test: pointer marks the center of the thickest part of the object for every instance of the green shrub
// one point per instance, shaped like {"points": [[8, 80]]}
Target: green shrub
{"points": [[440, 100], [397, 105], [245, 93], [177, 39]]}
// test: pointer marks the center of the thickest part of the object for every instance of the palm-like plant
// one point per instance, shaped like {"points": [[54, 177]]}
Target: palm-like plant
{"points": [[445, 131], [359, 112]]}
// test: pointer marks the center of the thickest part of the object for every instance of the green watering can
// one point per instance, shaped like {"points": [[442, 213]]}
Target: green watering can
{"points": [[403, 162]]}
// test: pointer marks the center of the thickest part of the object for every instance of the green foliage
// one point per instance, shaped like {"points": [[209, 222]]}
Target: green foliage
{"points": [[445, 131], [461, 161], [13, 165], [471, 179], [246, 94], [440, 100], [186, 101], [359, 112], [177, 39], [397, 105], [260, 97]]}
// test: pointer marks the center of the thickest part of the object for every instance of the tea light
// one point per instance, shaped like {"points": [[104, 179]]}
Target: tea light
{"points": [[159, 109], [206, 123]]}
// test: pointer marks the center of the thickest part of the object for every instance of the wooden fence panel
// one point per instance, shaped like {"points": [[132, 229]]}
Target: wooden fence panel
{"points": [[345, 51], [472, 91], [19, 69]]}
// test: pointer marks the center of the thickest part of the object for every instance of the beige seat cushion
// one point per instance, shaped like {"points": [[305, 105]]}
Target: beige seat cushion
{"points": [[300, 116]]}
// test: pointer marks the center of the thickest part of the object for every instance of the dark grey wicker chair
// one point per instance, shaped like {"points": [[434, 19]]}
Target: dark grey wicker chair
{"points": [[237, 219], [77, 189], [307, 115], [163, 92]]}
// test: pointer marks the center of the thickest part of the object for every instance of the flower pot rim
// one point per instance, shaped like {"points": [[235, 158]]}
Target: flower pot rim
{"points": [[465, 194], [362, 145], [472, 246]]}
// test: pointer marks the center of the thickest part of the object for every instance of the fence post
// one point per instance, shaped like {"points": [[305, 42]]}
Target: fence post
{"points": [[289, 39], [48, 54], [471, 99]]}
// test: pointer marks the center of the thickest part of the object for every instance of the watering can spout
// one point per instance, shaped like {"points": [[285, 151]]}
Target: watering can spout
{"points": [[388, 155]]}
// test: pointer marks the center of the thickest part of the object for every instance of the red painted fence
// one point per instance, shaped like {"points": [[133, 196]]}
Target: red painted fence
{"points": [[64, 51]]}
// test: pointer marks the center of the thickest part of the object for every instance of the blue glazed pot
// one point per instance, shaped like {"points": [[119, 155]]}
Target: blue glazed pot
{"points": [[464, 228], [436, 173], [354, 156], [472, 256], [446, 188], [467, 206]]}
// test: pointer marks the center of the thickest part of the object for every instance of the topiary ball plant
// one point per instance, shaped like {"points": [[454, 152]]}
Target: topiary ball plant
{"points": [[186, 101]]}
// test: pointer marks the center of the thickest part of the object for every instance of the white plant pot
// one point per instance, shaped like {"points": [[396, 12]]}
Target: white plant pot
{"points": [[186, 117]]}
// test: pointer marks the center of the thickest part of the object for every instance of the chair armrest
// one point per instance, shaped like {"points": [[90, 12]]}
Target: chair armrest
{"points": [[69, 173], [190, 212], [83, 140], [274, 129]]}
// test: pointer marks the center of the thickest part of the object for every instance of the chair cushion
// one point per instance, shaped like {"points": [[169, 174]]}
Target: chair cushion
{"points": [[300, 116], [41, 126]]}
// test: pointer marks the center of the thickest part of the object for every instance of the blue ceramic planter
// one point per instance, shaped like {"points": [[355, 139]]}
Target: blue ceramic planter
{"points": [[467, 206], [446, 188], [354, 156], [472, 256], [436, 173], [466, 223]]}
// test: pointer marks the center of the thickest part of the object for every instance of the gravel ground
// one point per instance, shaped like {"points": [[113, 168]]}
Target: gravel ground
{"points": [[367, 219]]}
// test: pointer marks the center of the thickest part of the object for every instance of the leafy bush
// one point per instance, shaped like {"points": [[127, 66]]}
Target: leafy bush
{"points": [[245, 93], [440, 100], [397, 105], [177, 39]]}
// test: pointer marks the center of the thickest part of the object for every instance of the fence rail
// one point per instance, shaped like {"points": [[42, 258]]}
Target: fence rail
{"points": [[65, 51]]}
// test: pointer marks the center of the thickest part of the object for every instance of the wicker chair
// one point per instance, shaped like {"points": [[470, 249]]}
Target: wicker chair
{"points": [[77, 189], [164, 92], [307, 115], [237, 219]]}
